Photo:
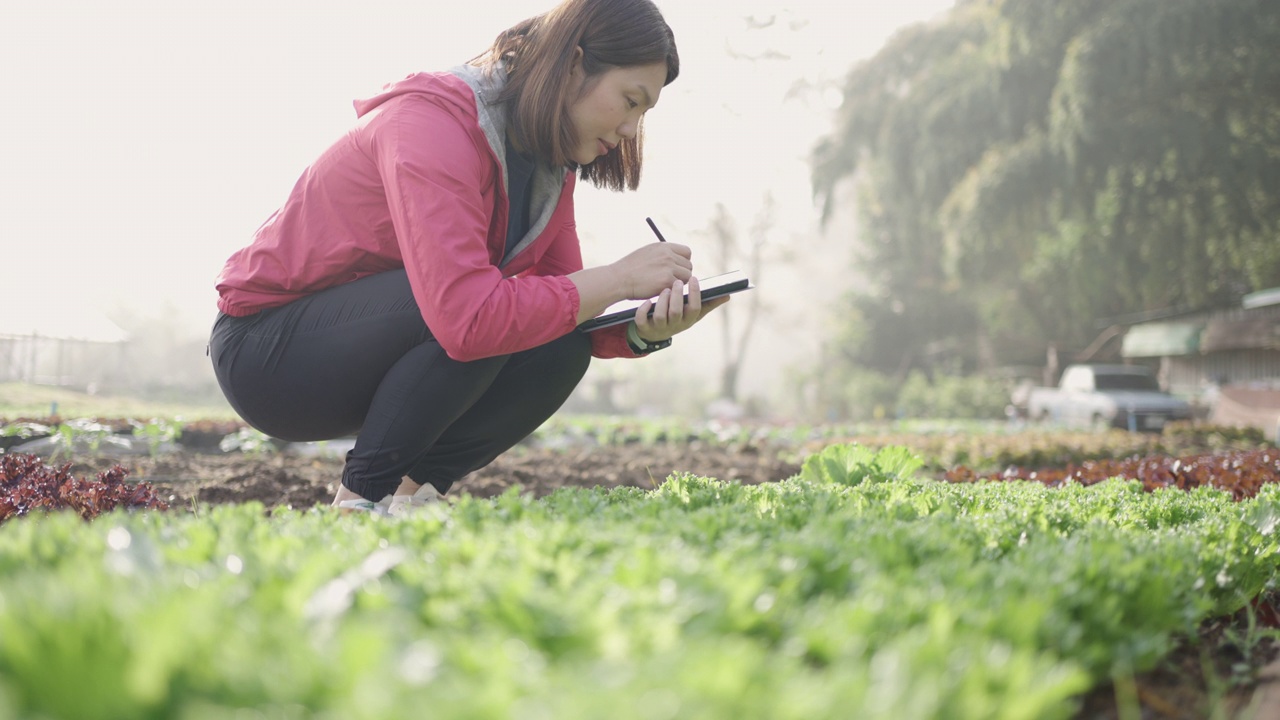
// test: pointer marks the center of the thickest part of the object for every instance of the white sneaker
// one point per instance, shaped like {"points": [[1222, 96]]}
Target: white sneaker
{"points": [[362, 505], [406, 505]]}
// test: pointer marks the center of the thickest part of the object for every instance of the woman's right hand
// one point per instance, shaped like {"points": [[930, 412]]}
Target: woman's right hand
{"points": [[653, 268]]}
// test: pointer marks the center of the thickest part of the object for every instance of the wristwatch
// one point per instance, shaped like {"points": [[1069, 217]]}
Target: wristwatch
{"points": [[640, 346]]}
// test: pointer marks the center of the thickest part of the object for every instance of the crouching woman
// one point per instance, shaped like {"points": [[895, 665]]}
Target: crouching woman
{"points": [[421, 286]]}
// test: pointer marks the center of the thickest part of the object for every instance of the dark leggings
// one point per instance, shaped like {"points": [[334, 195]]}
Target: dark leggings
{"points": [[358, 359]]}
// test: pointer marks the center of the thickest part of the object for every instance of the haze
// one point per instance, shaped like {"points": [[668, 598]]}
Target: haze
{"points": [[144, 141]]}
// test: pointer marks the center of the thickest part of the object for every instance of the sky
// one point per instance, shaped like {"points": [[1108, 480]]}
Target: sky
{"points": [[143, 141]]}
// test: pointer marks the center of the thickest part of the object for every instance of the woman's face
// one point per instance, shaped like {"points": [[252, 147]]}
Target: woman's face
{"points": [[611, 107]]}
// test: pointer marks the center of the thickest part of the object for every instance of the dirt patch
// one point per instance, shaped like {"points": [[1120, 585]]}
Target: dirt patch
{"points": [[1219, 673], [302, 481]]}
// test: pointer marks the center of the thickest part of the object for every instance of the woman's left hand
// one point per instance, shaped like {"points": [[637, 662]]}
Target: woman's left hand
{"points": [[670, 314]]}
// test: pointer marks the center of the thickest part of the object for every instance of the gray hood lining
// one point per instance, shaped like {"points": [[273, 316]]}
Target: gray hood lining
{"points": [[547, 183]]}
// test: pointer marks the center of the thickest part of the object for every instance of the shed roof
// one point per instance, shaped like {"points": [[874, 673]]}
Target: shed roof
{"points": [[1249, 332]]}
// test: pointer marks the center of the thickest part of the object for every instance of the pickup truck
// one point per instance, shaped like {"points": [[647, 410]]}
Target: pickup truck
{"points": [[1103, 396]]}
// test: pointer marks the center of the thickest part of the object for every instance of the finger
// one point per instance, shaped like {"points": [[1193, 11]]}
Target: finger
{"points": [[679, 261], [694, 306], [713, 304], [707, 307], [675, 311], [642, 314], [682, 250], [690, 320], [660, 309]]}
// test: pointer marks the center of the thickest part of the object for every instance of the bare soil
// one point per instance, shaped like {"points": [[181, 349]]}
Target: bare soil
{"points": [[283, 479], [1211, 675]]}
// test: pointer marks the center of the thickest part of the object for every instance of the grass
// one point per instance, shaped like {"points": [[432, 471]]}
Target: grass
{"points": [[26, 400]]}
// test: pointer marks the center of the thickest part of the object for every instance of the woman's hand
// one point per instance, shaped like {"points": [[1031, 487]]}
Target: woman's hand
{"points": [[653, 268], [671, 315]]}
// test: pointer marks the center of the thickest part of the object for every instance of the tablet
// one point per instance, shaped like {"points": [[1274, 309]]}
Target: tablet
{"points": [[712, 287]]}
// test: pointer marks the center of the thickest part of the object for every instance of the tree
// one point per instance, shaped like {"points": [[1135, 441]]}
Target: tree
{"points": [[731, 251], [901, 131], [1029, 166]]}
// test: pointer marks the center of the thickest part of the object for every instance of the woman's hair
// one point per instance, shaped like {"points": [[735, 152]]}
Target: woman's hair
{"points": [[538, 55]]}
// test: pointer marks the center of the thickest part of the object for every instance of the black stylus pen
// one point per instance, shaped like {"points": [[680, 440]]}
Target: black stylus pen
{"points": [[654, 228]]}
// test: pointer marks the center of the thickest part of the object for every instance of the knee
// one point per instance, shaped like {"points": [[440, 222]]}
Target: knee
{"points": [[571, 356], [580, 352]]}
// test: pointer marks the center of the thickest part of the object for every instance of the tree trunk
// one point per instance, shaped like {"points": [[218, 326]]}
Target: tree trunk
{"points": [[729, 381]]}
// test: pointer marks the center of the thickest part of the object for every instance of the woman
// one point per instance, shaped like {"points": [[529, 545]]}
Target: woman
{"points": [[422, 283]]}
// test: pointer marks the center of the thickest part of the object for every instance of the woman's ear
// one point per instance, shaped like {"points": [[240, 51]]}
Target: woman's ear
{"points": [[575, 70]]}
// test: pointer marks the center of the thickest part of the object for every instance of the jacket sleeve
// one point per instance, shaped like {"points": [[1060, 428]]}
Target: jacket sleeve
{"points": [[564, 256], [435, 169]]}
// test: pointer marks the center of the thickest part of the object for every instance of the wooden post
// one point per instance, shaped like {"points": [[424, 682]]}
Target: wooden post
{"points": [[31, 358]]}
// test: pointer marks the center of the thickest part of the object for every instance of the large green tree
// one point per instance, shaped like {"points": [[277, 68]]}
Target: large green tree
{"points": [[1026, 167]]}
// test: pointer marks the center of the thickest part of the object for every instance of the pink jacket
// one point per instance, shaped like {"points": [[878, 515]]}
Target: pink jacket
{"points": [[420, 183]]}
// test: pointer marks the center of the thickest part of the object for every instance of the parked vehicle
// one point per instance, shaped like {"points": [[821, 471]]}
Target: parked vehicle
{"points": [[1102, 396]]}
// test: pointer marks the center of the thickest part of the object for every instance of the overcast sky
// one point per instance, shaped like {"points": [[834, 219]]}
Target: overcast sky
{"points": [[143, 141]]}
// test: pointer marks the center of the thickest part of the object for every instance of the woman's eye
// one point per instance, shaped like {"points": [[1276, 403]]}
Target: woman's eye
{"points": [[632, 103]]}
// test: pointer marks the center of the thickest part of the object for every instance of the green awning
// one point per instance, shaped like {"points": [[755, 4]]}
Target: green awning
{"points": [[1261, 298], [1162, 339]]}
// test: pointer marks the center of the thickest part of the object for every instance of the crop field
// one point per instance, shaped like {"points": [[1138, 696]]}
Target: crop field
{"points": [[630, 569]]}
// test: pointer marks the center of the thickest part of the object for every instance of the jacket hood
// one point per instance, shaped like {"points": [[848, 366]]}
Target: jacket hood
{"points": [[474, 100], [435, 84]]}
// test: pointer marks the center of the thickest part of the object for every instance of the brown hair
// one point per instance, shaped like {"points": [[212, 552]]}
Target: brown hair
{"points": [[538, 55]]}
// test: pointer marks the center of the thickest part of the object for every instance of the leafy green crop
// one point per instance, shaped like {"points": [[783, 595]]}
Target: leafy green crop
{"points": [[854, 590], [157, 432], [249, 441], [855, 464]]}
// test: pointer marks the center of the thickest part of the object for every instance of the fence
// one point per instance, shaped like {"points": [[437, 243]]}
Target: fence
{"points": [[43, 360]]}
